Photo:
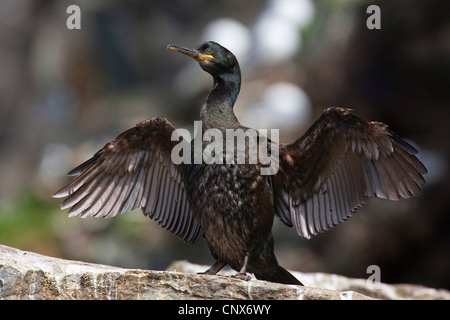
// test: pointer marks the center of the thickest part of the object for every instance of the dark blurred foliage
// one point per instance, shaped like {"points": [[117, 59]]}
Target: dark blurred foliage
{"points": [[64, 93]]}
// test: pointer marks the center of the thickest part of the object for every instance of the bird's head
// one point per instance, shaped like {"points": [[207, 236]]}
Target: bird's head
{"points": [[212, 57]]}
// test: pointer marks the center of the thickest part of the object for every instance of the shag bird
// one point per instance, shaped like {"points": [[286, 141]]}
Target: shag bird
{"points": [[323, 177]]}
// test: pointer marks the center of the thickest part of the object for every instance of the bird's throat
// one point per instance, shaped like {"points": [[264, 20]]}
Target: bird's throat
{"points": [[217, 110]]}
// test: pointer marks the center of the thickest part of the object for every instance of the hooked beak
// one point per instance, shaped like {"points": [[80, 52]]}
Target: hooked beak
{"points": [[190, 52]]}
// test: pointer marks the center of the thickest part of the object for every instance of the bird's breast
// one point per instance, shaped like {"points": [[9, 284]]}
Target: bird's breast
{"points": [[231, 201], [229, 197]]}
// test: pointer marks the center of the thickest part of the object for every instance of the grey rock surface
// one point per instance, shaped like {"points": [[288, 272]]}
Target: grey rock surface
{"points": [[28, 275]]}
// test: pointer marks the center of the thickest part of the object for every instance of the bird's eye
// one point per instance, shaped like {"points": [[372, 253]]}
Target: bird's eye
{"points": [[208, 51]]}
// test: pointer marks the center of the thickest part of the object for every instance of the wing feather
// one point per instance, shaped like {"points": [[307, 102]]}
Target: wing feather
{"points": [[134, 171], [336, 203], [341, 161]]}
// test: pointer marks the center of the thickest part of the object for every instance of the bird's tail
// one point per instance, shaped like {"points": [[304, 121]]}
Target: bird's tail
{"points": [[278, 274]]}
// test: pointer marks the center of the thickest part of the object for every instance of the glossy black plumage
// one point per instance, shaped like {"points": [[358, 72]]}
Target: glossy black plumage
{"points": [[323, 177]]}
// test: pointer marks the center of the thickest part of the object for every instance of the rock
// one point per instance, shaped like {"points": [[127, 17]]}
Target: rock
{"points": [[344, 285], [27, 275]]}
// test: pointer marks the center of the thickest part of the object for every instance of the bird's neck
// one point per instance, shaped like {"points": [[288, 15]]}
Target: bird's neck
{"points": [[217, 110]]}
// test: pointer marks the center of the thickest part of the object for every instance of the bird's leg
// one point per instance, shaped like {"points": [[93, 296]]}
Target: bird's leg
{"points": [[216, 267], [242, 274]]}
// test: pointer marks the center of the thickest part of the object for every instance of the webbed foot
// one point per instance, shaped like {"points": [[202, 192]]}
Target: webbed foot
{"points": [[242, 276], [216, 267]]}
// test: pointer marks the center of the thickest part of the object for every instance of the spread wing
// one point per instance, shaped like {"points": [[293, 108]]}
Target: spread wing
{"points": [[134, 171], [339, 163]]}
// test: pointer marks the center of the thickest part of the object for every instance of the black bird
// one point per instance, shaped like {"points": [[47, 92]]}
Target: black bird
{"points": [[323, 177]]}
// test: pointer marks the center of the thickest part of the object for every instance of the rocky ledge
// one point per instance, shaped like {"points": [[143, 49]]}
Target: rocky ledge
{"points": [[28, 275]]}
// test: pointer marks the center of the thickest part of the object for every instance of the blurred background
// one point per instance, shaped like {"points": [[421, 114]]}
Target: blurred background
{"points": [[65, 93]]}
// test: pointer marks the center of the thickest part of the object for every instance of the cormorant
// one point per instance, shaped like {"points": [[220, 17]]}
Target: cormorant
{"points": [[323, 177]]}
